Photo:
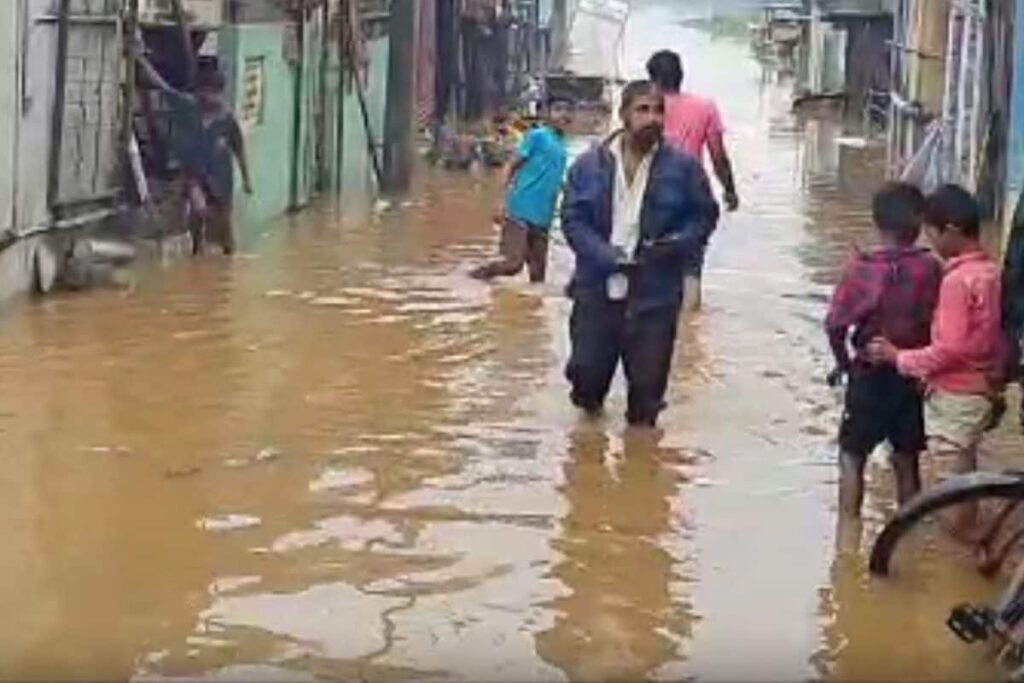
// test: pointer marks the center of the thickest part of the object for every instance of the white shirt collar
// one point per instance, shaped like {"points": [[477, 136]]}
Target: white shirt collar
{"points": [[628, 198]]}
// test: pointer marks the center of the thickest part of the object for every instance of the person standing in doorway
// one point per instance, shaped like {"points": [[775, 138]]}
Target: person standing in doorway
{"points": [[210, 141], [636, 212], [533, 181], [694, 125]]}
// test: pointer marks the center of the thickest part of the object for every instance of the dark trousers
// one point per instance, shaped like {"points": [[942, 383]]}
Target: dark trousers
{"points": [[602, 333]]}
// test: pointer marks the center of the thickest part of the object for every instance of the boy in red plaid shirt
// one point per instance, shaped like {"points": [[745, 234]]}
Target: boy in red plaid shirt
{"points": [[889, 292]]}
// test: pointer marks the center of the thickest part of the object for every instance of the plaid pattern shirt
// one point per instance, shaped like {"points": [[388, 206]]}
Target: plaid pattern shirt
{"points": [[889, 293]]}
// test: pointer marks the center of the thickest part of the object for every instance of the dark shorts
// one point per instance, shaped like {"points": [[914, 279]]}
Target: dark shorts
{"points": [[882, 405], [210, 217]]}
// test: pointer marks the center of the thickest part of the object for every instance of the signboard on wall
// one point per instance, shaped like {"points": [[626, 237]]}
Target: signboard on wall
{"points": [[253, 92]]}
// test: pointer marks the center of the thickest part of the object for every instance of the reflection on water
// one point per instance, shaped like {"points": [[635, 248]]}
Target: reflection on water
{"points": [[620, 526], [340, 457]]}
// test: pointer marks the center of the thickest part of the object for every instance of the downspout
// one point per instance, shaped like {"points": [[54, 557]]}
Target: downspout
{"points": [[57, 120], [21, 57], [339, 136], [129, 24], [300, 36], [321, 128]]}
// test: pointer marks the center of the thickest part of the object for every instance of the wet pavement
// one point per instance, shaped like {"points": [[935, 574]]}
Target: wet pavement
{"points": [[338, 456]]}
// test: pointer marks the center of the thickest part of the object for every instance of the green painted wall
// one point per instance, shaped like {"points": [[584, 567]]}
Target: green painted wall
{"points": [[358, 184], [270, 141]]}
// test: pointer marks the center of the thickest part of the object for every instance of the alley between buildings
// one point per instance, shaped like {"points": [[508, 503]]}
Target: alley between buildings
{"points": [[338, 456]]}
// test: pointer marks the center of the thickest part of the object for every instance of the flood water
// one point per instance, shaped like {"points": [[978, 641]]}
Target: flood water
{"points": [[337, 456]]}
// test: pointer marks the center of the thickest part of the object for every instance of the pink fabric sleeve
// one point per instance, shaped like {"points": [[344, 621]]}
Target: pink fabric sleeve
{"points": [[715, 124], [950, 339]]}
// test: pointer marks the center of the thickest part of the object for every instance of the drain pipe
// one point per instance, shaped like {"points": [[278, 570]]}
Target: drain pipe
{"points": [[339, 131], [298, 111], [57, 120]]}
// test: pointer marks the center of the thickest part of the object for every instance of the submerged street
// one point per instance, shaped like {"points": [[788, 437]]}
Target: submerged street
{"points": [[338, 456]]}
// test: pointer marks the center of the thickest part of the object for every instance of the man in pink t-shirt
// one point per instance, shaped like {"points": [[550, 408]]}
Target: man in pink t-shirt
{"points": [[693, 124]]}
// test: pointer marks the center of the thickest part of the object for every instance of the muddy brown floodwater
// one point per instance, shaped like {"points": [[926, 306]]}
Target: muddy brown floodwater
{"points": [[340, 457]]}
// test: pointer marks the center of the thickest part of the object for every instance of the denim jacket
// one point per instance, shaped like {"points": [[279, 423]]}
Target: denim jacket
{"points": [[678, 204]]}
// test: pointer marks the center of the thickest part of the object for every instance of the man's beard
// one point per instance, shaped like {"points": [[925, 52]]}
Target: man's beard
{"points": [[647, 137]]}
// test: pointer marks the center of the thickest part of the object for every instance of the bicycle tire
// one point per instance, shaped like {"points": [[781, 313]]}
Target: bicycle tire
{"points": [[953, 491]]}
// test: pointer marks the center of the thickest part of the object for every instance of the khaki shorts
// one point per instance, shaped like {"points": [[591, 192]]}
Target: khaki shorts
{"points": [[955, 425]]}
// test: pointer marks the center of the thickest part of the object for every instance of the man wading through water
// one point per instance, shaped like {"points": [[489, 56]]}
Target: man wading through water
{"points": [[694, 125], [636, 213]]}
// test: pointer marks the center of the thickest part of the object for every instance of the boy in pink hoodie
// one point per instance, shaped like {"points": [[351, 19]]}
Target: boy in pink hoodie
{"points": [[962, 367]]}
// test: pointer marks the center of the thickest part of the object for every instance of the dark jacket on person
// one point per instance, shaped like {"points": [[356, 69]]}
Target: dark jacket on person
{"points": [[678, 216]]}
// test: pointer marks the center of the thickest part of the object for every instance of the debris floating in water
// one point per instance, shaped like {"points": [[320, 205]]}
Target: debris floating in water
{"points": [[233, 522], [265, 455], [182, 472], [333, 478]]}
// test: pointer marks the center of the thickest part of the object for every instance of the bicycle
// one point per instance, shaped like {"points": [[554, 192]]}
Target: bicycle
{"points": [[1002, 623]]}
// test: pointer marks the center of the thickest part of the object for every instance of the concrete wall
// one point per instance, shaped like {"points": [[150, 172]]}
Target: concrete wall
{"points": [[824, 64], [8, 110], [929, 36], [269, 142], [27, 50]]}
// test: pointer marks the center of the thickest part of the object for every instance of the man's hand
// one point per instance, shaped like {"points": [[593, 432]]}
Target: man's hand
{"points": [[732, 201], [247, 186], [623, 262], [835, 377], [882, 352]]}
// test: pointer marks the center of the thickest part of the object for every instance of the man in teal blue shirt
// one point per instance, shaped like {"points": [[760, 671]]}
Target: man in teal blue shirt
{"points": [[533, 179]]}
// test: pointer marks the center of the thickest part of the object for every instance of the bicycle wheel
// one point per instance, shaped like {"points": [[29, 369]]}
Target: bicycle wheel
{"points": [[966, 488]]}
